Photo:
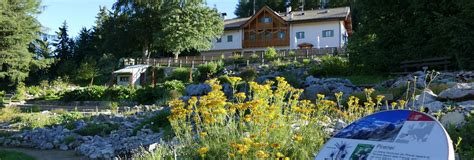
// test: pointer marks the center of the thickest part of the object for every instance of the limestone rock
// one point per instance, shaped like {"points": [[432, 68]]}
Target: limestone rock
{"points": [[453, 118], [197, 89], [467, 105], [460, 91]]}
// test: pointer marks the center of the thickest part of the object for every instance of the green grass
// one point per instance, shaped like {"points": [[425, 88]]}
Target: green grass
{"points": [[366, 79], [13, 155]]}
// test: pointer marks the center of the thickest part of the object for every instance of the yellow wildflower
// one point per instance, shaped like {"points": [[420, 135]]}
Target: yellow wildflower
{"points": [[193, 100], [203, 134], [394, 104], [247, 140], [279, 155], [203, 150], [379, 98], [261, 154], [338, 95], [320, 96], [275, 145], [297, 138], [240, 96], [247, 118], [231, 155]]}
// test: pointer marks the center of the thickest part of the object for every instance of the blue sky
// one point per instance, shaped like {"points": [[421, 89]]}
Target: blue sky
{"points": [[81, 13]]}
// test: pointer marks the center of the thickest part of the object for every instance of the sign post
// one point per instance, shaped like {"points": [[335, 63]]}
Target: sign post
{"points": [[390, 135]]}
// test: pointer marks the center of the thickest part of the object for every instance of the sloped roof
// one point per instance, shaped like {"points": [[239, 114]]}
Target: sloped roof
{"points": [[298, 16], [133, 69]]}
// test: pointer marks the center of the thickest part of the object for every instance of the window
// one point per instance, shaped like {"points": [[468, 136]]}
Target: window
{"points": [[229, 38], [266, 20], [268, 35], [281, 35], [252, 37], [328, 33], [219, 40], [123, 79], [299, 35]]}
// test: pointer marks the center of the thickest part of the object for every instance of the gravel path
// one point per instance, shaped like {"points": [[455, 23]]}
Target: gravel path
{"points": [[47, 154]]}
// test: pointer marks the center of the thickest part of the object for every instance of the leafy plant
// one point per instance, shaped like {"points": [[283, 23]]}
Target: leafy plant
{"points": [[156, 122], [20, 92], [249, 74], [181, 74], [465, 148], [258, 125], [270, 53], [101, 129], [69, 139], [208, 70], [331, 66]]}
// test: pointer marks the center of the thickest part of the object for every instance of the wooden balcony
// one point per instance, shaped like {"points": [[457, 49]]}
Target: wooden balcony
{"points": [[265, 43]]}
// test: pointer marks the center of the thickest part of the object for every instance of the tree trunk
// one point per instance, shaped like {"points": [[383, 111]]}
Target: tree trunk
{"points": [[145, 50], [92, 81], [176, 54]]}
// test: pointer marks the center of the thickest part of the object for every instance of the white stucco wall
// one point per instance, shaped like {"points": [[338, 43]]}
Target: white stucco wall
{"points": [[343, 33], [313, 30], [224, 45]]}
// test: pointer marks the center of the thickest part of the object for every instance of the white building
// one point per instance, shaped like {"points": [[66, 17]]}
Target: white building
{"points": [[322, 28], [132, 75]]}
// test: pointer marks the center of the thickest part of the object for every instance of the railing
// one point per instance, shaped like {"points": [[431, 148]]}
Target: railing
{"points": [[192, 61]]}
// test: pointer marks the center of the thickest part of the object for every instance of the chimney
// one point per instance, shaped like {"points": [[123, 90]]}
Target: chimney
{"points": [[223, 15], [288, 7], [289, 13]]}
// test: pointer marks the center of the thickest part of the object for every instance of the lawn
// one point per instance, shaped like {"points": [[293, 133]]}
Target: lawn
{"points": [[12, 155]]}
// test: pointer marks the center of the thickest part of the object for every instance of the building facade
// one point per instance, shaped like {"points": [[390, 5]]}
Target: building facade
{"points": [[324, 28]]}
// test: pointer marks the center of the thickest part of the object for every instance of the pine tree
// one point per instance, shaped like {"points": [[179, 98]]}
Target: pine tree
{"points": [[63, 44], [18, 27]]}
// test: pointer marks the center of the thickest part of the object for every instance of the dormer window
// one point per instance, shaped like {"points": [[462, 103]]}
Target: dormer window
{"points": [[266, 20]]}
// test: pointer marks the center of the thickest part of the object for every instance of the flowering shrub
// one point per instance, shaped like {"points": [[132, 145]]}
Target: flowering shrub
{"points": [[269, 122]]}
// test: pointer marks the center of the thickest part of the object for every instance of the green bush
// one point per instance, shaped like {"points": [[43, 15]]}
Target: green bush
{"points": [[249, 74], [20, 92], [270, 53], [207, 71], [93, 93], [465, 149], [156, 122], [291, 53], [119, 93], [101, 129], [36, 120], [181, 74], [36, 91], [69, 139], [224, 79], [331, 66], [113, 106], [149, 95]]}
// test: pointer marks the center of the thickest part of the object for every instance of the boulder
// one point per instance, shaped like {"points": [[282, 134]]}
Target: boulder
{"points": [[455, 118], [310, 80], [63, 147], [426, 97], [434, 106], [467, 105], [311, 91], [197, 89], [460, 91]]}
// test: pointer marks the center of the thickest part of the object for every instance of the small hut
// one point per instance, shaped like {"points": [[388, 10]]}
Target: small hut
{"points": [[132, 75]]}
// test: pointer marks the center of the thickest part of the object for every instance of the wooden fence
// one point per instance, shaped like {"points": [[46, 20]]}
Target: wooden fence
{"points": [[246, 57]]}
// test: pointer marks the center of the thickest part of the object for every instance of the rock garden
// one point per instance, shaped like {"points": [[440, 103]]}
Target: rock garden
{"points": [[224, 116]]}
